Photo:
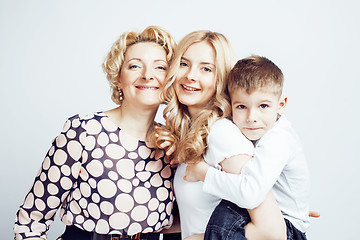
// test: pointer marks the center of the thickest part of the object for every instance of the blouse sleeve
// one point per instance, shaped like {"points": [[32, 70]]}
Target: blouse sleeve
{"points": [[226, 140], [55, 179]]}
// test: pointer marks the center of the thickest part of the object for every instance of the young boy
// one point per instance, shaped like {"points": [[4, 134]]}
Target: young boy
{"points": [[255, 87]]}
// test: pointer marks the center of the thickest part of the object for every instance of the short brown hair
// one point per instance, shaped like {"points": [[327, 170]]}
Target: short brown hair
{"points": [[255, 72]]}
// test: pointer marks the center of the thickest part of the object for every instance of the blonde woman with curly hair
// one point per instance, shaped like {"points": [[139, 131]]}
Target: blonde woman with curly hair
{"points": [[101, 171], [198, 128]]}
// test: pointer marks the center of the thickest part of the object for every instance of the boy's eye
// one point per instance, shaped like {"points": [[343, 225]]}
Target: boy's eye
{"points": [[241, 106], [264, 106]]}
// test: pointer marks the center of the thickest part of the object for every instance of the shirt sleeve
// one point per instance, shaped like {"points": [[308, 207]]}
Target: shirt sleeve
{"points": [[226, 140], [249, 189], [56, 177]]}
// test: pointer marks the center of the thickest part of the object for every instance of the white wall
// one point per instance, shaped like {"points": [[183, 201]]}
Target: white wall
{"points": [[50, 57]]}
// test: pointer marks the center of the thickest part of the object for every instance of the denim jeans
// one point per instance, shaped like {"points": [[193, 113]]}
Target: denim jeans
{"points": [[227, 222]]}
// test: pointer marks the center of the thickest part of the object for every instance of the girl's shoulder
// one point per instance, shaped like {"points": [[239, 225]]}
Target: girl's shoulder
{"points": [[224, 124]]}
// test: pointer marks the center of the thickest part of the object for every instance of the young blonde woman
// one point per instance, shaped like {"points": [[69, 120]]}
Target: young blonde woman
{"points": [[196, 125], [101, 171]]}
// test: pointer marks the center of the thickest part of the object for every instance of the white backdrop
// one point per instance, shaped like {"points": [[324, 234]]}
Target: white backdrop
{"points": [[50, 68]]}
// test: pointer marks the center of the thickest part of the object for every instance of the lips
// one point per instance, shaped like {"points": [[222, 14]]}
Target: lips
{"points": [[252, 129], [145, 87], [188, 88]]}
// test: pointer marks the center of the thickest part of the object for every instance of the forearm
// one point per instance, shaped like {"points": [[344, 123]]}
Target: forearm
{"points": [[238, 189], [235, 188]]}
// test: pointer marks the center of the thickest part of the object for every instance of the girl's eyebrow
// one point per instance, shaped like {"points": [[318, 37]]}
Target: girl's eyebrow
{"points": [[203, 63]]}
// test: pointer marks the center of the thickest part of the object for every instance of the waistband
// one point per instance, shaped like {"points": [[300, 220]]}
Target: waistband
{"points": [[73, 232]]}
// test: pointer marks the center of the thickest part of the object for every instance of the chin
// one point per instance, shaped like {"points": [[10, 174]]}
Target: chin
{"points": [[252, 137]]}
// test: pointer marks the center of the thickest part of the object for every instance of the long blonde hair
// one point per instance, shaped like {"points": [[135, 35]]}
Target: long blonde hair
{"points": [[188, 132]]}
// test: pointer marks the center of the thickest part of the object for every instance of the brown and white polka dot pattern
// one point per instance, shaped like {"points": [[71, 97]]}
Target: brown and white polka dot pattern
{"points": [[104, 180]]}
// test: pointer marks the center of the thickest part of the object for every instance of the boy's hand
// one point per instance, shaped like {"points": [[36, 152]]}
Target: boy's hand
{"points": [[314, 214], [196, 172]]}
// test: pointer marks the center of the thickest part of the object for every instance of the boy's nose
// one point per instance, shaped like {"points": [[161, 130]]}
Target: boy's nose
{"points": [[251, 117]]}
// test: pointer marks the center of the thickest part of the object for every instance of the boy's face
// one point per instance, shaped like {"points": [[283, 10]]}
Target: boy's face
{"points": [[257, 112]]}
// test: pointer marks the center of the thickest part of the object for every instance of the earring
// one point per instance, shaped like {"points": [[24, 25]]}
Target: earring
{"points": [[121, 94]]}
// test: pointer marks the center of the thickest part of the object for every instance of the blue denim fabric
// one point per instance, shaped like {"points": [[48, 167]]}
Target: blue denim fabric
{"points": [[228, 220], [293, 233]]}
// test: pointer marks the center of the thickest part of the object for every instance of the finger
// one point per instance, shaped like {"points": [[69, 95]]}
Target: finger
{"points": [[170, 150], [174, 161], [314, 214], [164, 144]]}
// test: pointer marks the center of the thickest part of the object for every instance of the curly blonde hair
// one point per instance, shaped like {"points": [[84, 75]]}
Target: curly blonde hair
{"points": [[115, 58], [188, 133]]}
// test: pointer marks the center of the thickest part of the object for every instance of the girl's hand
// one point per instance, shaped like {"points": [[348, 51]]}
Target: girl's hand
{"points": [[165, 145]]}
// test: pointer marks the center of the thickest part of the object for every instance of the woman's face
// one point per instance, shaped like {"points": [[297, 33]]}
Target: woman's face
{"points": [[195, 81], [143, 74]]}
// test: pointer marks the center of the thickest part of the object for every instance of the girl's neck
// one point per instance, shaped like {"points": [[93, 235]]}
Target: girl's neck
{"points": [[193, 111]]}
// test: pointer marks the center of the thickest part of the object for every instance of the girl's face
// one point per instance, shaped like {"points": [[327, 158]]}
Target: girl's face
{"points": [[143, 74], [196, 78]]}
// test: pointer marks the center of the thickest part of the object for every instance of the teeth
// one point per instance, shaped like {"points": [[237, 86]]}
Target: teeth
{"points": [[189, 88]]}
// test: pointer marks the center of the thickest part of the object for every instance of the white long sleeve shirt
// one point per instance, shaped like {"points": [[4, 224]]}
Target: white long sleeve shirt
{"points": [[278, 164], [196, 206]]}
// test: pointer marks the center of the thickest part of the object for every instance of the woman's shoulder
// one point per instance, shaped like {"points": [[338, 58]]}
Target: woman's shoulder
{"points": [[96, 116], [84, 120], [87, 116]]}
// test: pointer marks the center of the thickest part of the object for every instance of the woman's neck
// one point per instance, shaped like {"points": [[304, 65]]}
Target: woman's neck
{"points": [[135, 122]]}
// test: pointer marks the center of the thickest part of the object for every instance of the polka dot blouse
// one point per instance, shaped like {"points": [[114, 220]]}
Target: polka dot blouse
{"points": [[104, 180]]}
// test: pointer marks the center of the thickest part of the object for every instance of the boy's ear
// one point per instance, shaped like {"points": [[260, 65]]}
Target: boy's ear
{"points": [[282, 105]]}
